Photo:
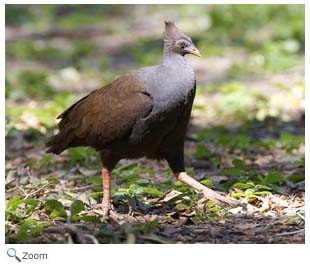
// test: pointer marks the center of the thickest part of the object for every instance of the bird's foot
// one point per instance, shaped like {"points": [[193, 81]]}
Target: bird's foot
{"points": [[106, 209], [207, 192], [220, 199], [119, 218], [110, 215]]}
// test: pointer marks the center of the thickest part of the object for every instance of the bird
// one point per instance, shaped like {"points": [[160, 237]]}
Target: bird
{"points": [[142, 114]]}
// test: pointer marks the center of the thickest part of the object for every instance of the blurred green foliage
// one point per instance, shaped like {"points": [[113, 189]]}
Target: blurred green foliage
{"points": [[273, 33], [28, 83], [252, 25], [239, 138]]}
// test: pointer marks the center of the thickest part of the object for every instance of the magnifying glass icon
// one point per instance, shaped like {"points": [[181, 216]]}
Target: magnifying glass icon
{"points": [[12, 253]]}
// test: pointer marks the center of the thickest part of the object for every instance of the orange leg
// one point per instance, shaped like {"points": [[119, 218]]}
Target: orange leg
{"points": [[106, 201], [108, 213], [207, 192]]}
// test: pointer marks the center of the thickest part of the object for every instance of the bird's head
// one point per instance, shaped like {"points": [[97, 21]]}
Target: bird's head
{"points": [[177, 41]]}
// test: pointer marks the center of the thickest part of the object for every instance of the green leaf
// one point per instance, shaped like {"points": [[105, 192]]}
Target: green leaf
{"points": [[249, 192], [143, 182], [135, 190], [80, 154], [96, 195], [13, 203], [242, 142], [262, 192], [46, 161], [238, 164], [215, 208], [277, 188], [76, 207], [77, 154], [262, 187], [55, 208], [94, 180], [238, 195], [201, 151], [179, 183], [120, 194], [27, 230], [53, 180], [243, 186], [296, 178], [153, 191], [181, 207], [207, 182], [90, 218], [273, 177], [180, 186], [32, 203], [14, 212]]}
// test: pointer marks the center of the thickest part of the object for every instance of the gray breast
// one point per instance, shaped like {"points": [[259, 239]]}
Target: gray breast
{"points": [[169, 85], [171, 89]]}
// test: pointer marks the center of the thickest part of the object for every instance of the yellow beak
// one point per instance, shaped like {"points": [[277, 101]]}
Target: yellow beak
{"points": [[194, 51]]}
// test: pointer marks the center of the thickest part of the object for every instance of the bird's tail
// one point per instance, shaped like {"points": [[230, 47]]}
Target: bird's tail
{"points": [[58, 143]]}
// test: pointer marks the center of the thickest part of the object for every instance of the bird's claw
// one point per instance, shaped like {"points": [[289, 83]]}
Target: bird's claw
{"points": [[221, 200]]}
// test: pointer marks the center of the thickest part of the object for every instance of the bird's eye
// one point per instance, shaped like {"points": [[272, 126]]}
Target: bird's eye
{"points": [[182, 44]]}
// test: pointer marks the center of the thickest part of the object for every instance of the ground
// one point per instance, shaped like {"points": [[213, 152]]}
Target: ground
{"points": [[245, 138]]}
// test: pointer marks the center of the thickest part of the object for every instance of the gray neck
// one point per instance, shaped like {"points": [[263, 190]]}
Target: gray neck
{"points": [[170, 56]]}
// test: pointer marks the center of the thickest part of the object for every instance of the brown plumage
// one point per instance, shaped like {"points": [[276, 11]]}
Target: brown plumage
{"points": [[103, 116]]}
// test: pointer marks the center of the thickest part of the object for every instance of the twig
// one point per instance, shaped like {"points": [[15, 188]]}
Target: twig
{"points": [[81, 188], [300, 215], [20, 188], [291, 233], [36, 191], [28, 172], [11, 189]]}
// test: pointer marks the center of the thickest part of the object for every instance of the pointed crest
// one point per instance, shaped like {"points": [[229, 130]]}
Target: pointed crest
{"points": [[171, 31]]}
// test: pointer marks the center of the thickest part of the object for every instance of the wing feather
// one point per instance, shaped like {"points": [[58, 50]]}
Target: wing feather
{"points": [[103, 116]]}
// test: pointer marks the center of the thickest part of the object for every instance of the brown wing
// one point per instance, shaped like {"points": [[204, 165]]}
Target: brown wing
{"points": [[103, 116]]}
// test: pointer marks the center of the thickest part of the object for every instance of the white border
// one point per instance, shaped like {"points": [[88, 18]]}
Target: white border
{"points": [[160, 254], [307, 124]]}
